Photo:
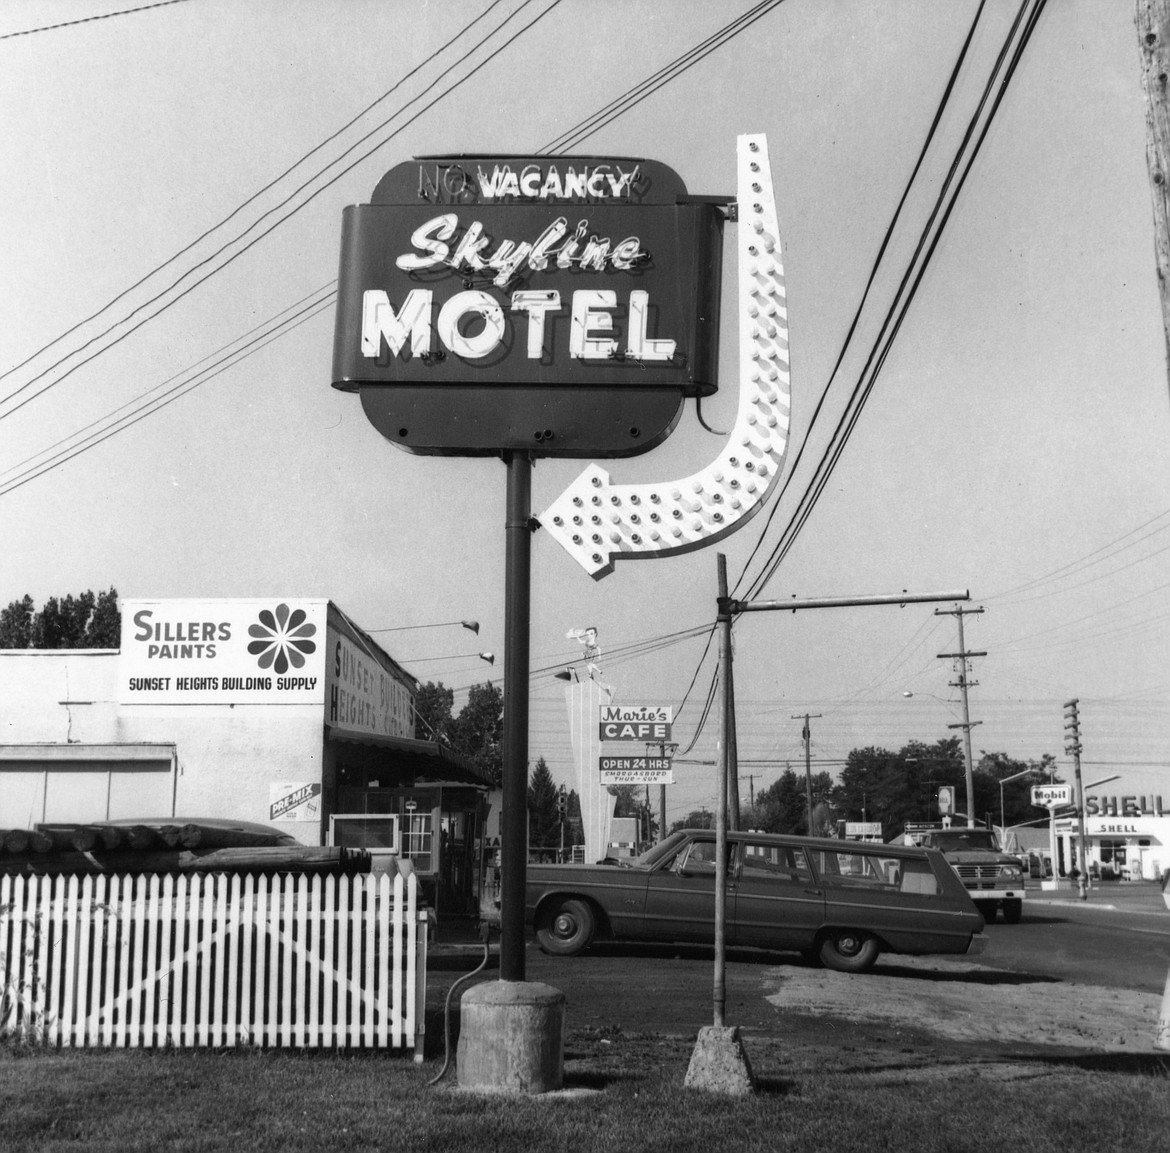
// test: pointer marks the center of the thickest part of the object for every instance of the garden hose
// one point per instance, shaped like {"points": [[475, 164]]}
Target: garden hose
{"points": [[485, 932]]}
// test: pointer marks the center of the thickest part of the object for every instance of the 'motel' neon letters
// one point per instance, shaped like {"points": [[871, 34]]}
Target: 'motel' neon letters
{"points": [[591, 321]]}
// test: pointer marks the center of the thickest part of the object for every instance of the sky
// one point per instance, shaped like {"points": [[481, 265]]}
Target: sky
{"points": [[1013, 444]]}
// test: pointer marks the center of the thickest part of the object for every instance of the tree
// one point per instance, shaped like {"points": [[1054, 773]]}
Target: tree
{"points": [[544, 820], [574, 825], [782, 807], [82, 622], [898, 787], [478, 731], [894, 788], [16, 624], [1017, 797], [432, 712], [104, 628], [697, 819], [631, 801]]}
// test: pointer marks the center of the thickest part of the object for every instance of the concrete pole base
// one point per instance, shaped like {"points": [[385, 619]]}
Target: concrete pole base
{"points": [[719, 1063], [511, 1038]]}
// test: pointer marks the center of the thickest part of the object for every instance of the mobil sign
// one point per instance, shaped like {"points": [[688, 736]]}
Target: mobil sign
{"points": [[563, 306], [1051, 796], [635, 722]]}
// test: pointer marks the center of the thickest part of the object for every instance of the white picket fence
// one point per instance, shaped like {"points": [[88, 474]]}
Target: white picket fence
{"points": [[215, 960]]}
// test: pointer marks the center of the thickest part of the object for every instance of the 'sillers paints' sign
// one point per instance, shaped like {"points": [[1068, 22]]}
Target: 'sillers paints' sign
{"points": [[221, 652]]}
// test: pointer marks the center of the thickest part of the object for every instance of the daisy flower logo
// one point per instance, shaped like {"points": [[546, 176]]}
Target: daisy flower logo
{"points": [[282, 639]]}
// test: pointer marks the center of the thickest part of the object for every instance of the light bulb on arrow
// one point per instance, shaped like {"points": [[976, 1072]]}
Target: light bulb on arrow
{"points": [[598, 521]]}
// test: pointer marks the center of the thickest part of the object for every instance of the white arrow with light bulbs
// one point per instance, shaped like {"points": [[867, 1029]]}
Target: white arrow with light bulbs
{"points": [[599, 522]]}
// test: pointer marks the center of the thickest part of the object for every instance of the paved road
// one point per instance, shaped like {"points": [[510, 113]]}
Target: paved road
{"points": [[1118, 937]]}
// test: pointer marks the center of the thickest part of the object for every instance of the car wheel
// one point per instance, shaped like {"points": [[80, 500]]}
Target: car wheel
{"points": [[849, 951], [567, 928], [1013, 911], [987, 909]]}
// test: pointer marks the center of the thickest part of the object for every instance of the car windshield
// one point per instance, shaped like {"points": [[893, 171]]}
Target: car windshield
{"points": [[664, 850], [959, 840]]}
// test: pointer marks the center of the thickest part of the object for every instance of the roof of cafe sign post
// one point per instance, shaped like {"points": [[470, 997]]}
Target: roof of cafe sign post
{"points": [[562, 306]]}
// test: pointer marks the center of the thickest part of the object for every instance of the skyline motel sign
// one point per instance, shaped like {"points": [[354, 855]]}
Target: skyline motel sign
{"points": [[558, 305]]}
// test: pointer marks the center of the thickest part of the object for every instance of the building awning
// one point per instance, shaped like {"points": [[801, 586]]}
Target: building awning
{"points": [[424, 760]]}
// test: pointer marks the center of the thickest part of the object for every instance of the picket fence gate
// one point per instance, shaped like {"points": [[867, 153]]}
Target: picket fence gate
{"points": [[213, 960]]}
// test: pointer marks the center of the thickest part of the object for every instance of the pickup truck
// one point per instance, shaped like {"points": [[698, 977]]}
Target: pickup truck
{"points": [[993, 878]]}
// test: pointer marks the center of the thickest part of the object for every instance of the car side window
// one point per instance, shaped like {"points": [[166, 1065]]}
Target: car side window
{"points": [[779, 862], [698, 858], [869, 870], [918, 877], [853, 868]]}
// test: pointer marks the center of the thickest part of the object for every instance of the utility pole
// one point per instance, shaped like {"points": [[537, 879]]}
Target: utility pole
{"points": [[732, 759], [962, 683], [724, 620], [806, 733], [1072, 725], [728, 609], [665, 749], [1152, 19]]}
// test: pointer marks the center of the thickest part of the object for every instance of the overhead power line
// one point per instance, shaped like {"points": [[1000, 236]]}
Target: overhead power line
{"points": [[943, 103], [612, 112], [932, 232], [904, 295], [160, 396], [239, 237], [581, 131], [1110, 550], [90, 19]]}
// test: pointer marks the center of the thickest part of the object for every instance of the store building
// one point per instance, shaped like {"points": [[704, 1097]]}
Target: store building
{"points": [[1125, 837], [279, 711]]}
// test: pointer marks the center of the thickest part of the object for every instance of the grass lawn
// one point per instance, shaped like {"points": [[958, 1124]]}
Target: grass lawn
{"points": [[624, 1092]]}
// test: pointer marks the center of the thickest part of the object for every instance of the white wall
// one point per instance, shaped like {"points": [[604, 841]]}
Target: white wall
{"points": [[226, 757]]}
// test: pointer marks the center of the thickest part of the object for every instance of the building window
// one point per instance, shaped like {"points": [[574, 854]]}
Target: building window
{"points": [[418, 839]]}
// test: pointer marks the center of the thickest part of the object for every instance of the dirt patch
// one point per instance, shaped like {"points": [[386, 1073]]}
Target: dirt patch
{"points": [[963, 1001]]}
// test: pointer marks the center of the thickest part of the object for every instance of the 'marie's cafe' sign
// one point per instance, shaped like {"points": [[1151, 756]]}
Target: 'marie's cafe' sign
{"points": [[563, 306]]}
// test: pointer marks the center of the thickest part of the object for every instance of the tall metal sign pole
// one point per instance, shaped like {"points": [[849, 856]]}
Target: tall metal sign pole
{"points": [[514, 815], [518, 307]]}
